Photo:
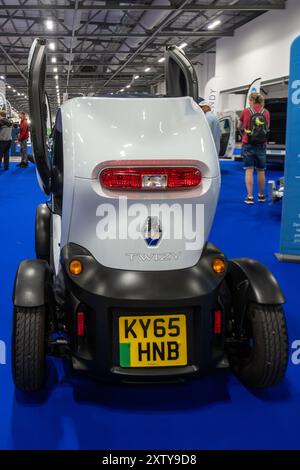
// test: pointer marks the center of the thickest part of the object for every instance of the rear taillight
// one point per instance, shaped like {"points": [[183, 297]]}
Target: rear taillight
{"points": [[150, 178], [80, 323], [217, 322]]}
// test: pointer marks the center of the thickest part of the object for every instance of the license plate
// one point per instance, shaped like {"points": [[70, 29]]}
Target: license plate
{"points": [[153, 341]]}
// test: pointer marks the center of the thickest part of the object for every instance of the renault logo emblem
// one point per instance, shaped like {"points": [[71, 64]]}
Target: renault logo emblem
{"points": [[152, 231]]}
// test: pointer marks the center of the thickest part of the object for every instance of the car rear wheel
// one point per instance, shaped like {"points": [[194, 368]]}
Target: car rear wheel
{"points": [[260, 356], [29, 348]]}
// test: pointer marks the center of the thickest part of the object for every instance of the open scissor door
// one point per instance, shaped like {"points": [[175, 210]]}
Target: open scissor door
{"points": [[38, 110], [181, 78], [226, 125]]}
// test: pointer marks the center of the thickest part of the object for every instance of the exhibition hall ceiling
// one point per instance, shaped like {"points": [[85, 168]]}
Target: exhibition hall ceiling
{"points": [[97, 47]]}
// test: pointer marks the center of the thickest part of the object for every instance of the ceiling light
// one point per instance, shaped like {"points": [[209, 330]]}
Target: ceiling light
{"points": [[19, 94], [53, 60], [128, 86], [162, 59], [52, 46], [183, 45], [122, 90], [8, 86], [147, 69], [214, 24], [2, 78], [56, 77], [136, 77], [57, 86], [14, 91], [49, 24], [55, 69]]}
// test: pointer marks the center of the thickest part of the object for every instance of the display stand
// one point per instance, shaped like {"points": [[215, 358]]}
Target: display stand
{"points": [[290, 225]]}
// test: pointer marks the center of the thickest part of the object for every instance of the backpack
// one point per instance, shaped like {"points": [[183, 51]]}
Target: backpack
{"points": [[258, 129]]}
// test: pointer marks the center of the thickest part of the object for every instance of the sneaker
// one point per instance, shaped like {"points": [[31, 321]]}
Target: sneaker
{"points": [[249, 200], [262, 198], [24, 165]]}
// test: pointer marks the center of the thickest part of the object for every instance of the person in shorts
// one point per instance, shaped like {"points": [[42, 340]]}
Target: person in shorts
{"points": [[255, 123]]}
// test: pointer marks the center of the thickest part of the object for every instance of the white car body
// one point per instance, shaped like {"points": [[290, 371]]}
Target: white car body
{"points": [[101, 130]]}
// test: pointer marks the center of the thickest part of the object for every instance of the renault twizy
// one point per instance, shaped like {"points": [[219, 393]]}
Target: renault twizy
{"points": [[119, 286]]}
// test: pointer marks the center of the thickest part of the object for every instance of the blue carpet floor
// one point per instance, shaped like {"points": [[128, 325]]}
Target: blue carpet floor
{"points": [[215, 412]]}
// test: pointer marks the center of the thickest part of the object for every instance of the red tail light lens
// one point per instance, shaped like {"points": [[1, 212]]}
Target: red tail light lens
{"points": [[80, 323], [150, 178], [218, 322]]}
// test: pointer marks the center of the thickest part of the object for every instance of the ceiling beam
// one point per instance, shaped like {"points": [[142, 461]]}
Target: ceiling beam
{"points": [[83, 23], [85, 63], [99, 37], [72, 41], [148, 52], [135, 7], [11, 60], [89, 75]]}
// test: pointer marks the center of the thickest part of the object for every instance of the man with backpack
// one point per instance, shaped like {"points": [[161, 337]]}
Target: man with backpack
{"points": [[255, 122]]}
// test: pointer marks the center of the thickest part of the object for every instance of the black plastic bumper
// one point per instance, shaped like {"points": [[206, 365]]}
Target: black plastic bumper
{"points": [[105, 294]]}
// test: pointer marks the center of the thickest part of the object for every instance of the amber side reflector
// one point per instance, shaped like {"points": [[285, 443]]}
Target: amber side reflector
{"points": [[75, 267], [218, 265]]}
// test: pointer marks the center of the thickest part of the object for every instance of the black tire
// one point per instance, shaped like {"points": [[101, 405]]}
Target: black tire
{"points": [[29, 348], [261, 361]]}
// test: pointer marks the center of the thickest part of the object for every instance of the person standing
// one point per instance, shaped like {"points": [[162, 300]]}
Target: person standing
{"points": [[14, 135], [255, 123], [213, 123], [5, 139], [22, 138]]}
